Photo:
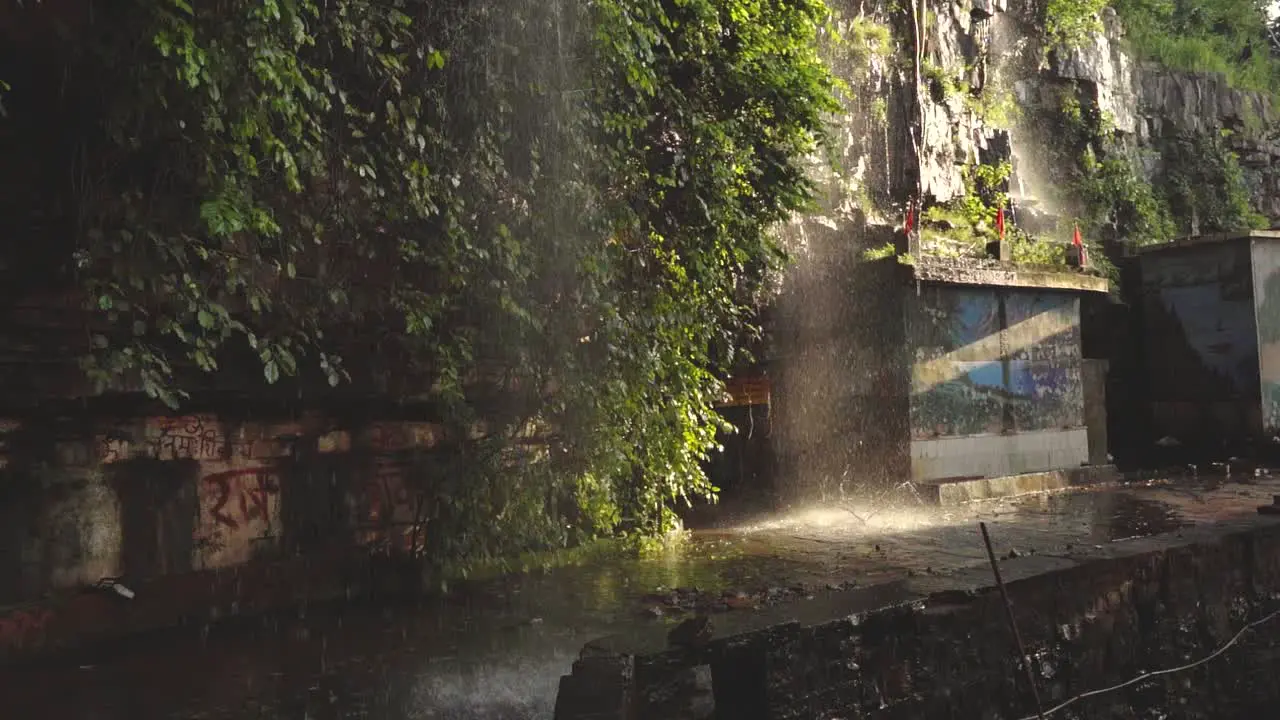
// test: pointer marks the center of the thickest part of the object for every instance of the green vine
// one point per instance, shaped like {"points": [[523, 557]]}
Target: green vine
{"points": [[1204, 181]]}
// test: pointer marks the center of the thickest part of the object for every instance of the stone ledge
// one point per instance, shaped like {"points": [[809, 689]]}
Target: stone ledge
{"points": [[939, 647], [961, 490], [996, 274]]}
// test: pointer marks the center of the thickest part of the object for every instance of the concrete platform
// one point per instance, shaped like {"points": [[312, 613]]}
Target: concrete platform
{"points": [[901, 592], [955, 491], [941, 647]]}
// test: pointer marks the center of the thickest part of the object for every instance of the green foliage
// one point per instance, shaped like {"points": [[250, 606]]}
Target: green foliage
{"points": [[1199, 178], [1204, 180], [1118, 201], [997, 108], [971, 220], [861, 41], [1026, 249], [718, 168], [880, 110], [555, 239], [880, 253], [1222, 36], [941, 83], [1070, 23]]}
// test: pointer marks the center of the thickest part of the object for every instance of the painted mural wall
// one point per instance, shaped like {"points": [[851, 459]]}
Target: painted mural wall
{"points": [[1266, 296], [993, 361], [1200, 341]]}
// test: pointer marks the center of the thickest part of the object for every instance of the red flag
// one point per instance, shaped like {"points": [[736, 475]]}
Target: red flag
{"points": [[1000, 223], [910, 222], [1079, 243]]}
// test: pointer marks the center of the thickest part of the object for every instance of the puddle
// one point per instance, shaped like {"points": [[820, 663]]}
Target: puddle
{"points": [[1133, 517], [500, 651], [1101, 517]]}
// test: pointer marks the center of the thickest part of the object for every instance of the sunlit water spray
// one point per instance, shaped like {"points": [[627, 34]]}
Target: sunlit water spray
{"points": [[828, 335], [865, 518]]}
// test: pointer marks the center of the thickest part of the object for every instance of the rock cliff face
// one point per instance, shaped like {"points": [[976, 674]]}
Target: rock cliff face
{"points": [[909, 136]]}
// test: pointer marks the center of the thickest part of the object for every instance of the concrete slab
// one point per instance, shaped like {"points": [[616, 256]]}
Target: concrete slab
{"points": [[1206, 239], [992, 273], [955, 491]]}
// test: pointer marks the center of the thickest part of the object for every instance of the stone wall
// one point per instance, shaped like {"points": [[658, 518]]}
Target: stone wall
{"points": [[1265, 254], [941, 647]]}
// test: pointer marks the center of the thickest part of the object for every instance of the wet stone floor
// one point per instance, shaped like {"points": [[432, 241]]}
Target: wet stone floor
{"points": [[499, 653]]}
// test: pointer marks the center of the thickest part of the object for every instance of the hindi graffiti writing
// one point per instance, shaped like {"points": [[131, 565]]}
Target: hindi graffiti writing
{"points": [[192, 437], [241, 496]]}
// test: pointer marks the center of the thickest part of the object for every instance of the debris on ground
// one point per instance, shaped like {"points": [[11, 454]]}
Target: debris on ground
{"points": [[678, 601], [692, 633]]}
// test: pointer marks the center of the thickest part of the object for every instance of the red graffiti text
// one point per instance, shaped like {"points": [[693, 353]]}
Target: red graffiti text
{"points": [[241, 496], [19, 626]]}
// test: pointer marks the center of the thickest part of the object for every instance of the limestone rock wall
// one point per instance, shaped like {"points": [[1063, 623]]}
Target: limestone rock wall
{"points": [[997, 48]]}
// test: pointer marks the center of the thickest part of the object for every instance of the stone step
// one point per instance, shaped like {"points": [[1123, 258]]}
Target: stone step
{"points": [[954, 491]]}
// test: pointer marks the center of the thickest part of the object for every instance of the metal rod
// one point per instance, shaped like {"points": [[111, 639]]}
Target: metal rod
{"points": [[1013, 625]]}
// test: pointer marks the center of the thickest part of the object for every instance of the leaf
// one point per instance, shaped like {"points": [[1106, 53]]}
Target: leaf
{"points": [[205, 318], [271, 372]]}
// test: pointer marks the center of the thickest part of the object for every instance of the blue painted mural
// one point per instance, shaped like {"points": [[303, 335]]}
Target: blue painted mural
{"points": [[994, 360]]}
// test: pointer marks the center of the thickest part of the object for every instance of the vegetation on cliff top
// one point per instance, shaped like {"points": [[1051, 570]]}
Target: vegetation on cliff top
{"points": [[556, 215], [1198, 183], [1231, 37]]}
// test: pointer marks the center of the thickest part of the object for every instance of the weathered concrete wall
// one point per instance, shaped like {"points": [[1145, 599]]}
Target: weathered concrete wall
{"points": [[1266, 306], [996, 381], [997, 455], [940, 647], [1200, 345], [1095, 409], [170, 495]]}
